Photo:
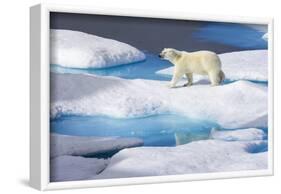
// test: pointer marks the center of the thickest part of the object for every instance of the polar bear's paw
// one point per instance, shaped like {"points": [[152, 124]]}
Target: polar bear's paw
{"points": [[170, 85], [187, 84]]}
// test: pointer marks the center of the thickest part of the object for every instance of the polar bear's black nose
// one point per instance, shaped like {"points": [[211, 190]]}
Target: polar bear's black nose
{"points": [[160, 55]]}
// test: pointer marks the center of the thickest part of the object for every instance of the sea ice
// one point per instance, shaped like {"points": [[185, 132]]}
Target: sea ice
{"points": [[213, 155], [241, 104], [79, 146], [196, 157], [70, 168], [81, 50], [240, 134]]}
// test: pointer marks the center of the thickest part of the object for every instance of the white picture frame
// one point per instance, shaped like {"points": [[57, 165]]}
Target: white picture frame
{"points": [[40, 92]]}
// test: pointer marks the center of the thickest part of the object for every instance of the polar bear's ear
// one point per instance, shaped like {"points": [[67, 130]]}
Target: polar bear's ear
{"points": [[175, 52]]}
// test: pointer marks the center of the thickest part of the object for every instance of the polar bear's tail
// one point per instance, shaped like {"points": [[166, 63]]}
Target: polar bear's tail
{"points": [[222, 76]]}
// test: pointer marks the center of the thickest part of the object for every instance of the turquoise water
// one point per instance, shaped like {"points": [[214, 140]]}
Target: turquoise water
{"points": [[157, 130], [141, 70]]}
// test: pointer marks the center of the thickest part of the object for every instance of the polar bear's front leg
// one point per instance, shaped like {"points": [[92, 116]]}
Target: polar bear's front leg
{"points": [[175, 79], [189, 77]]}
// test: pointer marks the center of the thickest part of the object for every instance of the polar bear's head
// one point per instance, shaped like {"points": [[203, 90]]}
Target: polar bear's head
{"points": [[169, 54]]}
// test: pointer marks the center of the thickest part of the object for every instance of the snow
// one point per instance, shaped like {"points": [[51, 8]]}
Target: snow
{"points": [[70, 168], [241, 134], [214, 155], [241, 104], [195, 157], [245, 65], [81, 50], [80, 146]]}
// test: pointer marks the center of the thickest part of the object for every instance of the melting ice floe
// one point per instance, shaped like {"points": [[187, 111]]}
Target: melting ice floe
{"points": [[227, 135], [81, 146], [238, 135], [240, 104], [214, 155], [81, 50], [245, 65], [66, 151], [195, 157], [70, 168]]}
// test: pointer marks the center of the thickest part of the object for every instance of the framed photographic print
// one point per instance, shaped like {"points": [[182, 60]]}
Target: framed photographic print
{"points": [[133, 97]]}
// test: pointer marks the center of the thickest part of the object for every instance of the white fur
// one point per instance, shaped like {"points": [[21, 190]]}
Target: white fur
{"points": [[187, 63]]}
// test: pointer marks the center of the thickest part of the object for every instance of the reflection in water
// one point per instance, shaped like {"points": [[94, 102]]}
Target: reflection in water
{"points": [[156, 130]]}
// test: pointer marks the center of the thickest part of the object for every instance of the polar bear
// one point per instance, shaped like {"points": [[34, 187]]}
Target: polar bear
{"points": [[189, 63]]}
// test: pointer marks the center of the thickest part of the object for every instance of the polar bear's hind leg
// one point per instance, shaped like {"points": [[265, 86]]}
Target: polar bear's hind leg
{"points": [[214, 78], [222, 76]]}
